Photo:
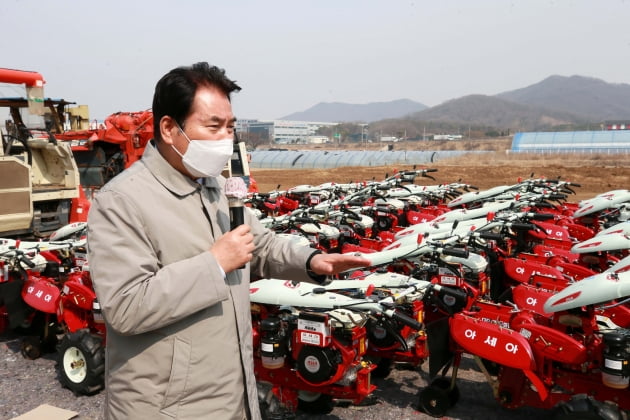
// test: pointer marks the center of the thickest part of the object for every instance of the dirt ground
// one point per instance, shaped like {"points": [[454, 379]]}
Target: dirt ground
{"points": [[26, 384], [595, 173]]}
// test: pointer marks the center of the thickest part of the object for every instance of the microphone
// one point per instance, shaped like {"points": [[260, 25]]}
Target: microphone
{"points": [[236, 192]]}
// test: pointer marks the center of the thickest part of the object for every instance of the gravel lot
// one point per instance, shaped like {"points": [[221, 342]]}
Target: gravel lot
{"points": [[28, 383]]}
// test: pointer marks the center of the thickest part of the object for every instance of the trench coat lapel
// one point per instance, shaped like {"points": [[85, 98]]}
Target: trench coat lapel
{"points": [[219, 220], [212, 202]]}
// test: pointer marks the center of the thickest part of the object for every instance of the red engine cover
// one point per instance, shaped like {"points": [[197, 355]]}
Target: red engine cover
{"points": [[78, 294], [522, 271], [554, 344], [531, 298], [41, 295], [492, 342]]}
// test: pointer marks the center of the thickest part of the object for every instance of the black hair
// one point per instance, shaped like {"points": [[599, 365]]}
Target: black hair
{"points": [[175, 91]]}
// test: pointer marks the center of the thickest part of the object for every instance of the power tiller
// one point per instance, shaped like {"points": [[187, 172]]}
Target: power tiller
{"points": [[564, 354], [309, 346]]}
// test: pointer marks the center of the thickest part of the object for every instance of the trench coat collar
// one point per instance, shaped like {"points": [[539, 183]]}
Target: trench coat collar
{"points": [[171, 178]]}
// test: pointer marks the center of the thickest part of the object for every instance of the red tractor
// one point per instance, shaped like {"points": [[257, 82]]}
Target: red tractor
{"points": [[103, 152]]}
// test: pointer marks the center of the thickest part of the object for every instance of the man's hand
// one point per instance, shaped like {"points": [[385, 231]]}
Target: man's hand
{"points": [[234, 249], [329, 264]]}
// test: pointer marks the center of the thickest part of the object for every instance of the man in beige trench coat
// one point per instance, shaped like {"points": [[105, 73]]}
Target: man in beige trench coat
{"points": [[166, 267]]}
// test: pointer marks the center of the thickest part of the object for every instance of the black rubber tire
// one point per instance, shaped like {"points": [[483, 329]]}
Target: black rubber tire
{"points": [[445, 383], [81, 362], [436, 399], [383, 224], [33, 347], [278, 414], [40, 335], [493, 368], [584, 407], [323, 404], [384, 367]]}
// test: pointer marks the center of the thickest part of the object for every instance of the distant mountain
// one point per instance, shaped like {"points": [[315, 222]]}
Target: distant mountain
{"points": [[489, 111], [593, 98], [557, 102], [342, 112]]}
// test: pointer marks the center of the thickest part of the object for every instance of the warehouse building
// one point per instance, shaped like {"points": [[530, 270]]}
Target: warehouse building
{"points": [[282, 131]]}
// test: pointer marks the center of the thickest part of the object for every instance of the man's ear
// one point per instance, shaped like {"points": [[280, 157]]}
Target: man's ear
{"points": [[168, 129]]}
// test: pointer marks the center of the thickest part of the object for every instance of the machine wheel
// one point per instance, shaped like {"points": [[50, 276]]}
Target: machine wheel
{"points": [[278, 412], [384, 367], [81, 362], [315, 402], [40, 335], [33, 346], [383, 224], [270, 406], [493, 368], [583, 407], [436, 398]]}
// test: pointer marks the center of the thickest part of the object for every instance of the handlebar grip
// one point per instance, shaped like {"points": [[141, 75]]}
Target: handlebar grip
{"points": [[304, 220], [26, 261], [430, 170], [575, 184], [542, 216], [456, 252], [491, 236], [523, 226], [407, 320], [318, 211], [386, 209], [356, 203]]}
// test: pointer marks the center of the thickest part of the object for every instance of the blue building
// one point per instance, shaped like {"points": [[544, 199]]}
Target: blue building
{"points": [[606, 142]]}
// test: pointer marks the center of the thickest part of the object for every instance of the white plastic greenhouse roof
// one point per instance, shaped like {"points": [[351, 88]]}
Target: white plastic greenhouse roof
{"points": [[295, 159], [609, 141]]}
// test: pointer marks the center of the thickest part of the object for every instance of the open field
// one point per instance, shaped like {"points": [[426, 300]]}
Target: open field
{"points": [[596, 173]]}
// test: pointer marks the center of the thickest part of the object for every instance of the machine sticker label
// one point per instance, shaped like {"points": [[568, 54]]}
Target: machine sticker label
{"points": [[310, 338], [311, 363]]}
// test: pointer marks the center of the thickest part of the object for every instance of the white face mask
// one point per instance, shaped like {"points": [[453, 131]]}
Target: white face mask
{"points": [[206, 158]]}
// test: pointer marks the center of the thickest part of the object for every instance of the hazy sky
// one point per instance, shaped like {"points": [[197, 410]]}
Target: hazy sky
{"points": [[289, 55]]}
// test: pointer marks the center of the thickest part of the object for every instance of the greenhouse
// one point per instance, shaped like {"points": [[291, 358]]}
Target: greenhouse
{"points": [[296, 159], [608, 141]]}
